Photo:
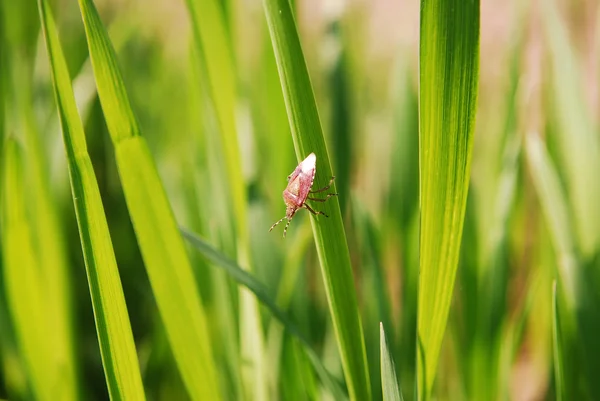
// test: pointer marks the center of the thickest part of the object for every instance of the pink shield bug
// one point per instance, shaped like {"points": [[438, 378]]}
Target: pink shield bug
{"points": [[298, 191]]}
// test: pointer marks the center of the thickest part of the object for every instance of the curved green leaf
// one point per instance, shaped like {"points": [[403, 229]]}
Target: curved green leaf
{"points": [[330, 238], [213, 48], [389, 381], [557, 347], [449, 70], [162, 247], [48, 239], [554, 206], [23, 280], [246, 279], [578, 147], [117, 346]]}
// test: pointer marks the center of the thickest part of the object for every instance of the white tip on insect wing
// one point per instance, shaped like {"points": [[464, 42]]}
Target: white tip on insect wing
{"points": [[309, 163]]}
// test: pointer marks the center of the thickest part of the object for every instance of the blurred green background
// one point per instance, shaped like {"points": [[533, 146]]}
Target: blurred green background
{"points": [[532, 217]]}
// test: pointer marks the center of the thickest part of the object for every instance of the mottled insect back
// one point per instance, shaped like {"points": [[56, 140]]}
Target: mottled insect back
{"points": [[298, 190]]}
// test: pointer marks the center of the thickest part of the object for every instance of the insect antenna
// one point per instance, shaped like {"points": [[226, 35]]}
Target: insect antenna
{"points": [[280, 220]]}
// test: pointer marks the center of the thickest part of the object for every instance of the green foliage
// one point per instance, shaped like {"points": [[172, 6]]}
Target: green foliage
{"points": [[212, 47], [447, 233], [449, 69], [557, 351], [43, 215], [166, 261], [112, 320], [25, 290], [578, 146], [389, 381], [330, 238], [257, 288]]}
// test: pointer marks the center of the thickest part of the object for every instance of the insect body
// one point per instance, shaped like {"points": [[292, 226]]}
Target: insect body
{"points": [[298, 191]]}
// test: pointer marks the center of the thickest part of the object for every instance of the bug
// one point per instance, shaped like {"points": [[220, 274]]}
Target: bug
{"points": [[298, 191]]}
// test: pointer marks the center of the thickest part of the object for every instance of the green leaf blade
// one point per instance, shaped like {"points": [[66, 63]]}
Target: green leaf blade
{"points": [[578, 147], [557, 350], [115, 337], [122, 123], [161, 244], [554, 207], [174, 287], [211, 39], [330, 238], [449, 69], [48, 239], [246, 279], [25, 291], [214, 51], [389, 381]]}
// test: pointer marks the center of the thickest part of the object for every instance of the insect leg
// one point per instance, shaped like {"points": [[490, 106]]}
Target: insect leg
{"points": [[273, 226], [321, 200], [324, 188], [316, 213], [286, 227]]}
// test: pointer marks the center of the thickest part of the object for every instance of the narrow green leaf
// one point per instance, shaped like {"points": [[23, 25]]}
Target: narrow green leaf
{"points": [[571, 288], [117, 346], [47, 233], [297, 378], [578, 147], [376, 304], [3, 63], [288, 283], [162, 247], [330, 238], [448, 82], [216, 67], [23, 280], [213, 45], [268, 114], [557, 347], [554, 206], [400, 230], [242, 277], [389, 380]]}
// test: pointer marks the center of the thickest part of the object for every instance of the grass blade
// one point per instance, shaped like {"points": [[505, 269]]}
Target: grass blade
{"points": [[245, 279], [117, 346], [449, 70], [330, 237], [211, 38], [288, 283], [554, 206], [376, 306], [569, 289], [578, 147], [389, 380], [41, 199], [24, 286], [162, 247], [557, 348]]}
